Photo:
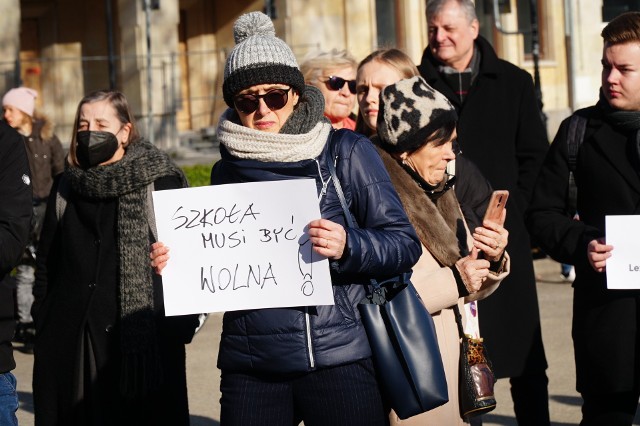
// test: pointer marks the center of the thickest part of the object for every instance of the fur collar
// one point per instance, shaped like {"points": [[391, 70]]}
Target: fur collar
{"points": [[439, 225], [42, 126]]}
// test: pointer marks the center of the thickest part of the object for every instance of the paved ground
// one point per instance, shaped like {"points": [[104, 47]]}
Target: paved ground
{"points": [[555, 306]]}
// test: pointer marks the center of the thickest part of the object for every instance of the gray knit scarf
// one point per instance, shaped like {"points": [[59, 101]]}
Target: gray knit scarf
{"points": [[127, 180], [302, 137]]}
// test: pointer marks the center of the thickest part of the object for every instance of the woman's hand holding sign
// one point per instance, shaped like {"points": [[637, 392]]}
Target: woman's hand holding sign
{"points": [[328, 238]]}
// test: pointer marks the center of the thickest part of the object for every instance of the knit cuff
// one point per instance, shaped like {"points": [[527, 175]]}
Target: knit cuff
{"points": [[498, 266]]}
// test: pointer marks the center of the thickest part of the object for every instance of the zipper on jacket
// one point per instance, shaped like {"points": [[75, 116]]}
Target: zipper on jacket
{"points": [[325, 183], [307, 320]]}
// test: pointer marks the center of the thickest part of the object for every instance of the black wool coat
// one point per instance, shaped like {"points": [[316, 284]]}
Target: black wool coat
{"points": [[501, 131], [606, 323], [76, 295], [15, 220]]}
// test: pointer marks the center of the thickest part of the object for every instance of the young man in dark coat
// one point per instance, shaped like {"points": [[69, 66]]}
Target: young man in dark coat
{"points": [[606, 323], [15, 219], [501, 131]]}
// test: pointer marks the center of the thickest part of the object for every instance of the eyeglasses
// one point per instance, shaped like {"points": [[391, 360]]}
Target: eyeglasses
{"points": [[275, 99], [337, 83]]}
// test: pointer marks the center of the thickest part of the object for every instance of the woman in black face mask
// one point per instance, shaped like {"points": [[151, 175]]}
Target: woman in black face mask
{"points": [[105, 353]]}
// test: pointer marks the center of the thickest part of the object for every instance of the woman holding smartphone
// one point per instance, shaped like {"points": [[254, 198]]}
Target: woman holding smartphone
{"points": [[416, 128]]}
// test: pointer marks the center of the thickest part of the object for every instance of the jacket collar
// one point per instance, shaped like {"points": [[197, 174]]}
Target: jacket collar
{"points": [[614, 147]]}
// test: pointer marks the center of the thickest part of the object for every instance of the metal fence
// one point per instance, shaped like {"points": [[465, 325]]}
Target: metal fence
{"points": [[186, 96], [176, 101]]}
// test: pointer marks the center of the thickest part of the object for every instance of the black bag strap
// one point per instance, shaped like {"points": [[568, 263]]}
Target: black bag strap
{"points": [[456, 313], [575, 137], [333, 160]]}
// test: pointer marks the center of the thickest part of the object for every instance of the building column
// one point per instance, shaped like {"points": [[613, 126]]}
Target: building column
{"points": [[9, 44], [165, 73]]}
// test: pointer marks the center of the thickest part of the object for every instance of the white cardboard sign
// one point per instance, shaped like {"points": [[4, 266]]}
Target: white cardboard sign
{"points": [[241, 246], [623, 267]]}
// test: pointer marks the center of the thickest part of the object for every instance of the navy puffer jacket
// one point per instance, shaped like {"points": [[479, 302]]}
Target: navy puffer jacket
{"points": [[293, 340]]}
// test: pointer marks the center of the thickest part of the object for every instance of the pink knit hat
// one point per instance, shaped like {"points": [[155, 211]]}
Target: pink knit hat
{"points": [[22, 98]]}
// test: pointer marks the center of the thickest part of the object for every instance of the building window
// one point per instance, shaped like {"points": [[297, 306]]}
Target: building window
{"points": [[524, 25], [386, 23], [613, 8], [484, 10]]}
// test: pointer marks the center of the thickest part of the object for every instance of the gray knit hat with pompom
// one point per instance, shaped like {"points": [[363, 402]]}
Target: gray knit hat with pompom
{"points": [[259, 57], [409, 112]]}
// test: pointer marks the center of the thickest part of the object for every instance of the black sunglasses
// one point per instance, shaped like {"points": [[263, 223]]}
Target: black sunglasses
{"points": [[275, 99], [337, 83]]}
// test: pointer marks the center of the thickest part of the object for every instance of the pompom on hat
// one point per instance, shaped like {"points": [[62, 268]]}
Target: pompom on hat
{"points": [[409, 112], [259, 57], [22, 98]]}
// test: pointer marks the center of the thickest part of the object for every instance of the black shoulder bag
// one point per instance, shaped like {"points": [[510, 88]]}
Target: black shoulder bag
{"points": [[402, 336]]}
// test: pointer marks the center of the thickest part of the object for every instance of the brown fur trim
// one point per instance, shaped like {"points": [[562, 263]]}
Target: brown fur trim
{"points": [[440, 226], [43, 125]]}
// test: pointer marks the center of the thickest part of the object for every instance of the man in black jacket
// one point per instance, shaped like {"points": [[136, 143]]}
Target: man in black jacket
{"points": [[605, 161], [15, 219], [501, 131]]}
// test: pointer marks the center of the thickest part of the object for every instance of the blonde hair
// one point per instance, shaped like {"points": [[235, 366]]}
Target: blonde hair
{"points": [[316, 63], [396, 59]]}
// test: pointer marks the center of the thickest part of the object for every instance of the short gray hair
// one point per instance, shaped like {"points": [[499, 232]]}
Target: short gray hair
{"points": [[467, 6], [315, 63]]}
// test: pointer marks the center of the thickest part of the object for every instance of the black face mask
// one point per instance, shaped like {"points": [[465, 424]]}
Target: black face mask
{"points": [[95, 147]]}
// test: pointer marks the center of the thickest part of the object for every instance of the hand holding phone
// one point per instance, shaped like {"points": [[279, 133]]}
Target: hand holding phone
{"points": [[491, 241], [497, 204]]}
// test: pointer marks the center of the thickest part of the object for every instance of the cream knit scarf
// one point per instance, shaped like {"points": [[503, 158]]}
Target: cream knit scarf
{"points": [[303, 136]]}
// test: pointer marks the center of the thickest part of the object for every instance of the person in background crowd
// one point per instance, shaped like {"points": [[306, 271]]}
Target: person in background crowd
{"points": [[606, 323], [449, 272], [334, 73], [15, 220], [381, 68], [105, 354], [388, 66], [500, 129], [46, 160], [282, 366]]}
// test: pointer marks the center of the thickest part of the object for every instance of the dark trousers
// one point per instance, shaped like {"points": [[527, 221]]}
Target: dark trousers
{"points": [[343, 395], [615, 409], [531, 399]]}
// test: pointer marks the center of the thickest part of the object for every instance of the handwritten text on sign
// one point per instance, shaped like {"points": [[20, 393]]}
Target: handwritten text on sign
{"points": [[623, 267], [241, 246]]}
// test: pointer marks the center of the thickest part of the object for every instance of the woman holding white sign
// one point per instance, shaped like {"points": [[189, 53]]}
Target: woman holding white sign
{"points": [[105, 354], [313, 364]]}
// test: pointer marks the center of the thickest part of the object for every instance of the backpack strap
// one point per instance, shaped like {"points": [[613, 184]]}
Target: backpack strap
{"points": [[575, 137]]}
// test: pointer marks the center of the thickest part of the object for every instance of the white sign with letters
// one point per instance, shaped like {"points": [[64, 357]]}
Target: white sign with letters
{"points": [[241, 246], [623, 267]]}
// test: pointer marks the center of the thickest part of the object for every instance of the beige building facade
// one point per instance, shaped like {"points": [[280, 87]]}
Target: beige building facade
{"points": [[168, 56]]}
